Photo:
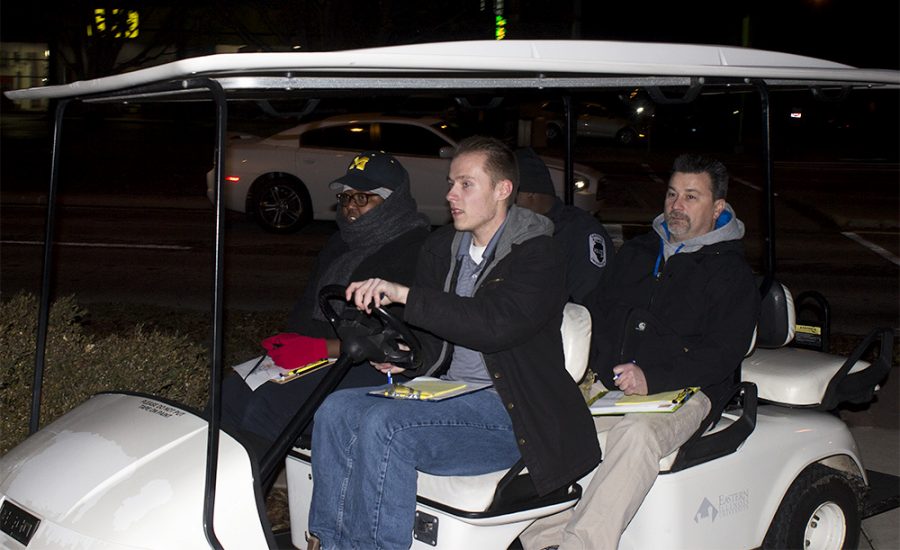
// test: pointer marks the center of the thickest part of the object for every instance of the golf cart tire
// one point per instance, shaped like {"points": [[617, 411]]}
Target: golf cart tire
{"points": [[819, 504], [280, 204]]}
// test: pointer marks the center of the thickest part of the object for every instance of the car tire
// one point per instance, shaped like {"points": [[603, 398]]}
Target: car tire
{"points": [[553, 133], [820, 511], [626, 136], [280, 205]]}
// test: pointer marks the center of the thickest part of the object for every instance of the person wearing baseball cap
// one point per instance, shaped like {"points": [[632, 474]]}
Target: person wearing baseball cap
{"points": [[585, 242], [379, 234], [373, 171]]}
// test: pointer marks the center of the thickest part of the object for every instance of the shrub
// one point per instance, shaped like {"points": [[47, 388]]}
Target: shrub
{"points": [[79, 363]]}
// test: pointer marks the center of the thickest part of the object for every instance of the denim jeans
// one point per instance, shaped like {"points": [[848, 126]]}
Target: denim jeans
{"points": [[366, 451]]}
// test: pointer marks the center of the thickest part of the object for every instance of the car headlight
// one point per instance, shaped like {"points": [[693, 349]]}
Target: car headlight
{"points": [[581, 184]]}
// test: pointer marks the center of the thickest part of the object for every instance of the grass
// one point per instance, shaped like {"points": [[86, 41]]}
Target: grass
{"points": [[112, 347]]}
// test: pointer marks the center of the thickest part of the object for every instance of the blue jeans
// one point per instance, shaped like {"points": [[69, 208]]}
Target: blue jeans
{"points": [[366, 450]]}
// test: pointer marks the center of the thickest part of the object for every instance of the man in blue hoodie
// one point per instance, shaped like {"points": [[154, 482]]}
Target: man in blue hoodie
{"points": [[677, 309]]}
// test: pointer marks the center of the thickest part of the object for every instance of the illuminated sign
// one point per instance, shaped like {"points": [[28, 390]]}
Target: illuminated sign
{"points": [[119, 23]]}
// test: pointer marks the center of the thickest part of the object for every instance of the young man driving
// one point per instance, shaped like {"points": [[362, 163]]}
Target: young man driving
{"points": [[491, 290]]}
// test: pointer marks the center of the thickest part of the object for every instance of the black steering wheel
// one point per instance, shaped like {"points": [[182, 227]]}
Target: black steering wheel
{"points": [[389, 340]]}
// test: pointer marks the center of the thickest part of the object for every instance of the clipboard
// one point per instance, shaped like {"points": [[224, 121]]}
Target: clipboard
{"points": [[616, 402], [427, 388], [260, 370]]}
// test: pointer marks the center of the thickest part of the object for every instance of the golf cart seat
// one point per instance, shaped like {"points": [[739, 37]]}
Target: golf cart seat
{"points": [[797, 377], [477, 493]]}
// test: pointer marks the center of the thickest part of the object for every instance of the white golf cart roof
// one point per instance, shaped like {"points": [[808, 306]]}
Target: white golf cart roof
{"points": [[485, 64]]}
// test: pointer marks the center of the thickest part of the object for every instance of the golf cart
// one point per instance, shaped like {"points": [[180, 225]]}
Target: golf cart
{"points": [[135, 471]]}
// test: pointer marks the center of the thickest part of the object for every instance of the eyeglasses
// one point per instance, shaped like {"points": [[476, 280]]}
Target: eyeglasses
{"points": [[359, 199]]}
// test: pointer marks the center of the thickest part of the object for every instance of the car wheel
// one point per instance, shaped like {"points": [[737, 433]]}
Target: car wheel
{"points": [[819, 512], [553, 132], [626, 136], [281, 205]]}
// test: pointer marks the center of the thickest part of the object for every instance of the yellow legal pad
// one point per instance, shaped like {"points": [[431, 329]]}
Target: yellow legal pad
{"points": [[616, 402], [427, 388]]}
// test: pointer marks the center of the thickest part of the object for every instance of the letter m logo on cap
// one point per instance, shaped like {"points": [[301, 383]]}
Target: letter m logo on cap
{"points": [[359, 163]]}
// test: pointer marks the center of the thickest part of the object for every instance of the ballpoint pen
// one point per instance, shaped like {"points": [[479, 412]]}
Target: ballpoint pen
{"points": [[618, 374], [256, 366]]}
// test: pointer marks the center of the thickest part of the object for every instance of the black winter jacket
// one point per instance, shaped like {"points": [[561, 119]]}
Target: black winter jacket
{"points": [[691, 326], [514, 321], [586, 245]]}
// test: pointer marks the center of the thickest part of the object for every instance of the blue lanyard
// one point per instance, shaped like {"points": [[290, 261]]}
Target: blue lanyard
{"points": [[659, 256]]}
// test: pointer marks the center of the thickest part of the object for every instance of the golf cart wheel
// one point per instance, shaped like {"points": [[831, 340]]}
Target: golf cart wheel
{"points": [[819, 512], [626, 136], [281, 205]]}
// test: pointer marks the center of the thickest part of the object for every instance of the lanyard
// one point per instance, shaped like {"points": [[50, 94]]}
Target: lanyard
{"points": [[659, 256]]}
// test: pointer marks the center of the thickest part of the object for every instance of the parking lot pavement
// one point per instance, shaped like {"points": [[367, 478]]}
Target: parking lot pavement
{"points": [[875, 429], [880, 449], [32, 198]]}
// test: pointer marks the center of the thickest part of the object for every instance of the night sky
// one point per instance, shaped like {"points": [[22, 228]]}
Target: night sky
{"points": [[864, 33]]}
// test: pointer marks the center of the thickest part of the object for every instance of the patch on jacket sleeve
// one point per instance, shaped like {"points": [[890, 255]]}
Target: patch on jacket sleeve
{"points": [[597, 249]]}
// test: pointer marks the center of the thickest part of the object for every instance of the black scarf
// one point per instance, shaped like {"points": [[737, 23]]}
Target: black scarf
{"points": [[377, 227]]}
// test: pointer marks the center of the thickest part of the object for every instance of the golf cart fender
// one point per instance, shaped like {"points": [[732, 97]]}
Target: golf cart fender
{"points": [[729, 502], [804, 437], [118, 467]]}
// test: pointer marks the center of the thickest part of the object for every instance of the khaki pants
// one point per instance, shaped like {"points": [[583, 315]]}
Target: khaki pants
{"points": [[634, 446]]}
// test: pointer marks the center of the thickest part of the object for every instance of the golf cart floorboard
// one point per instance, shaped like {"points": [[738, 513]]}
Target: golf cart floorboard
{"points": [[883, 495]]}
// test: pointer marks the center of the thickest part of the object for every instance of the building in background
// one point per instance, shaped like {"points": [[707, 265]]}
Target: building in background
{"points": [[23, 65]]}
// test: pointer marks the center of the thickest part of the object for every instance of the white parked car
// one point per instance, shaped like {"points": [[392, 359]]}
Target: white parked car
{"points": [[282, 181], [592, 120]]}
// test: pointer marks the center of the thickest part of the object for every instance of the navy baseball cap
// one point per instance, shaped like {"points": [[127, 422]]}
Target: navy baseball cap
{"points": [[372, 170]]}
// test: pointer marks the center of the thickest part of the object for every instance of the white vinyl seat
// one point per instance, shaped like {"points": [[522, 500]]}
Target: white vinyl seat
{"points": [[793, 376], [475, 493], [786, 375]]}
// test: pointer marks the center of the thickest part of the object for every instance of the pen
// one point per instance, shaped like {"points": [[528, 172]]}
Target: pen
{"points": [[616, 375], [256, 366], [298, 370]]}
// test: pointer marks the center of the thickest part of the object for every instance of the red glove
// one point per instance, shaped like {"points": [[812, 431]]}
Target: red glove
{"points": [[290, 350]]}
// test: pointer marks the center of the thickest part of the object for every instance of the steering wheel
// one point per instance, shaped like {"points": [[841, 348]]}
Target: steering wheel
{"points": [[363, 340]]}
